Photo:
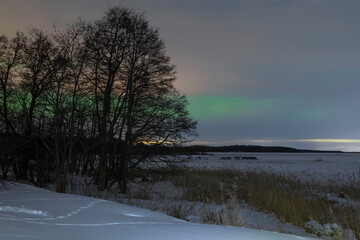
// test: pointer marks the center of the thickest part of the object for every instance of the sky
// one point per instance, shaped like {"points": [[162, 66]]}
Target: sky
{"points": [[257, 72]]}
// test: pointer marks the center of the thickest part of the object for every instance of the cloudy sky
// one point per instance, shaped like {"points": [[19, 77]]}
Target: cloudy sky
{"points": [[264, 72]]}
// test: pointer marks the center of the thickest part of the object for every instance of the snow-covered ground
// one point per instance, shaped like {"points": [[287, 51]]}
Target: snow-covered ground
{"points": [[323, 166], [27, 212]]}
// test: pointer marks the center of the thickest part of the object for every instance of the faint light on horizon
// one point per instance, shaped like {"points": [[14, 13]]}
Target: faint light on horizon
{"points": [[276, 141], [332, 140], [307, 140], [350, 145]]}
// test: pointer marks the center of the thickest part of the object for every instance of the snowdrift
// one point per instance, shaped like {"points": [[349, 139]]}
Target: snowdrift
{"points": [[27, 212]]}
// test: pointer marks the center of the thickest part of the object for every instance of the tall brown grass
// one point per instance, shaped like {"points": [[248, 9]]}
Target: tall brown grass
{"points": [[287, 196]]}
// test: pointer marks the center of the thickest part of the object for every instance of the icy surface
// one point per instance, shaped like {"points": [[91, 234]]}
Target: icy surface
{"points": [[322, 166], [31, 213]]}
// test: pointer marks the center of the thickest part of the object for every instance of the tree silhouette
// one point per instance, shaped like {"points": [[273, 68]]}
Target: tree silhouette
{"points": [[86, 97]]}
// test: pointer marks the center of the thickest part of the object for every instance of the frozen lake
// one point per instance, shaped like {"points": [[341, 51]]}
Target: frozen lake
{"points": [[323, 166]]}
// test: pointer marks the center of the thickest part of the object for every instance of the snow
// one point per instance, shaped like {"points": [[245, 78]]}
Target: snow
{"points": [[196, 212], [322, 166], [27, 212]]}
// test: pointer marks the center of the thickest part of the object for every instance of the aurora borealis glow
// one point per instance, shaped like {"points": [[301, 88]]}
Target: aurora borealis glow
{"points": [[261, 119], [267, 72]]}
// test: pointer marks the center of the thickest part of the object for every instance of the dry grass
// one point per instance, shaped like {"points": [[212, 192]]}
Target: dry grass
{"points": [[285, 195], [230, 216], [289, 198]]}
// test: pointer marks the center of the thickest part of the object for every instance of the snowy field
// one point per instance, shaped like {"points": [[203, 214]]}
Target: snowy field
{"points": [[323, 166], [27, 212], [324, 176]]}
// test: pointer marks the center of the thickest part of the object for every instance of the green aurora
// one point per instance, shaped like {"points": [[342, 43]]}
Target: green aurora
{"points": [[205, 107]]}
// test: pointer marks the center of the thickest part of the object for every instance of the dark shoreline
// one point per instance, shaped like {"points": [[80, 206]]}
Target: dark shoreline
{"points": [[203, 149]]}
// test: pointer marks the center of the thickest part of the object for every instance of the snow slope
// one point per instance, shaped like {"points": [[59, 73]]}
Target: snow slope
{"points": [[27, 212]]}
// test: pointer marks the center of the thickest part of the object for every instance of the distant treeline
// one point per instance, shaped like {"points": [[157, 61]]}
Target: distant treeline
{"points": [[201, 149]]}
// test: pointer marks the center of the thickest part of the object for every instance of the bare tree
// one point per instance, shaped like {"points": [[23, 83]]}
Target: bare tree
{"points": [[95, 91], [67, 98], [151, 96], [38, 67], [37, 74], [10, 55], [130, 71], [109, 46]]}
